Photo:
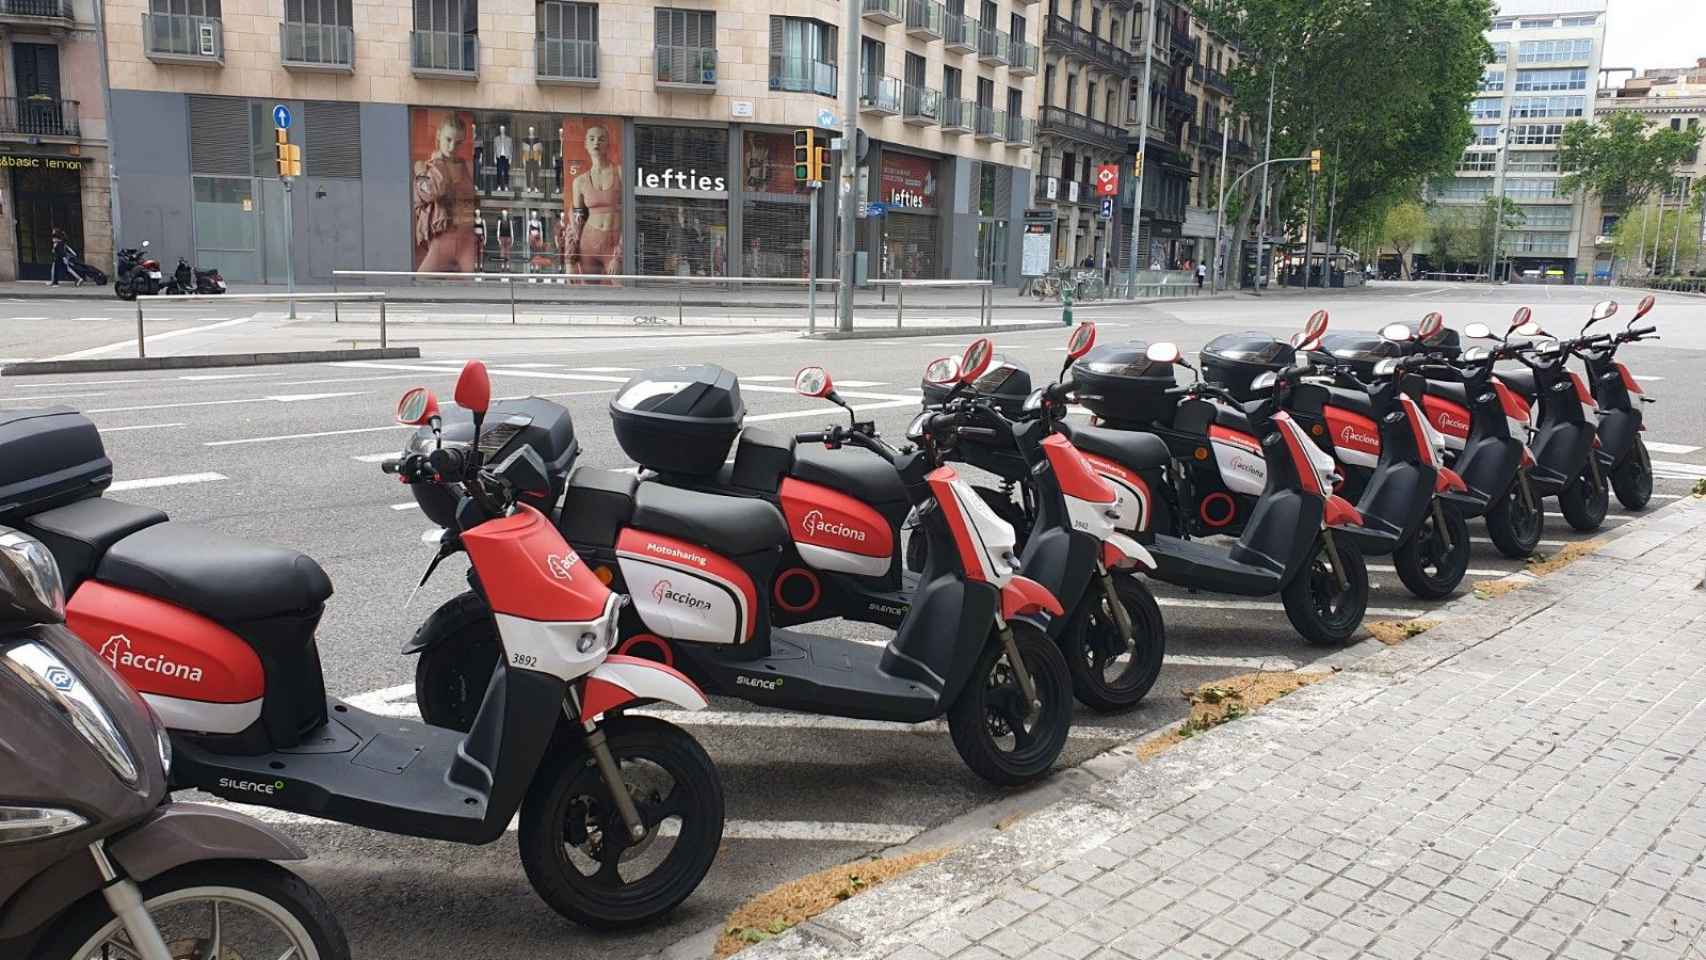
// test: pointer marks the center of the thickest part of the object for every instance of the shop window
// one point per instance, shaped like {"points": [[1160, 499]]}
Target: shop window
{"points": [[803, 56], [774, 214], [681, 207]]}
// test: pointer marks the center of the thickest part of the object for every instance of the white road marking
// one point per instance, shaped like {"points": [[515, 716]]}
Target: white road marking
{"points": [[53, 396], [1667, 496], [1266, 605], [605, 369], [376, 457], [767, 378], [1541, 543], [140, 426], [1677, 448], [435, 536], [226, 376], [1271, 664], [150, 482], [297, 397], [1673, 470], [808, 830], [151, 338], [1388, 568], [1647, 377], [858, 383], [302, 436], [411, 505], [596, 378], [26, 318]]}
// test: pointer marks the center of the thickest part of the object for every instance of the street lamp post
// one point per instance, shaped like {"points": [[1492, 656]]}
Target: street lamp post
{"points": [[1220, 208], [1263, 166], [1142, 145], [1267, 155], [1499, 205], [850, 67]]}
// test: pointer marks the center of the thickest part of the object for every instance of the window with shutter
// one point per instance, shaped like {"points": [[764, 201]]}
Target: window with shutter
{"points": [[219, 136], [685, 43], [332, 134]]}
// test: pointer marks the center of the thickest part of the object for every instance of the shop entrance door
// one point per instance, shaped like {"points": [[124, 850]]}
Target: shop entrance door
{"points": [[46, 199]]}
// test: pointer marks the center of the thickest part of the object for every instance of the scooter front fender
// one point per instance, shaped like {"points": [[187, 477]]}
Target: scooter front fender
{"points": [[191, 832], [624, 681], [1120, 552]]}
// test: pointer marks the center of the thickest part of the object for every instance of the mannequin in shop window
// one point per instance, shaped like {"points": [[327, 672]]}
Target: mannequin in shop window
{"points": [[445, 204], [506, 240], [503, 150], [595, 229], [538, 257], [533, 162], [480, 240]]}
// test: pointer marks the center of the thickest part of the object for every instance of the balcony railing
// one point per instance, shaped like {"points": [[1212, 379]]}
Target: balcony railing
{"points": [[1209, 137], [1211, 78], [959, 34], [38, 117], [1178, 99], [1021, 131], [1022, 58], [991, 123], [883, 11], [36, 11], [570, 62], [446, 55], [803, 75], [1180, 40], [1059, 30], [181, 38], [920, 106], [992, 46], [317, 46], [880, 95], [958, 115], [1089, 129], [693, 69], [924, 19]]}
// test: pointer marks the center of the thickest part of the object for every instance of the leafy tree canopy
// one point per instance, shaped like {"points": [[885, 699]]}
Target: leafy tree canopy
{"points": [[1618, 159]]}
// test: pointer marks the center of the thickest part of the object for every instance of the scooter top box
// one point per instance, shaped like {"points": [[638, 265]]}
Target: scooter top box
{"points": [[49, 457], [679, 419], [1361, 350], [1006, 382], [1117, 381], [1234, 359]]}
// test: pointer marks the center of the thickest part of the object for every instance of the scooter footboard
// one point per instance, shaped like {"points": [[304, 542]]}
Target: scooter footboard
{"points": [[1487, 466], [1560, 450], [1617, 432], [1393, 505]]}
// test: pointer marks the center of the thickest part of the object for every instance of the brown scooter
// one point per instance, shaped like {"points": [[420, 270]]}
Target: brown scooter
{"points": [[95, 858]]}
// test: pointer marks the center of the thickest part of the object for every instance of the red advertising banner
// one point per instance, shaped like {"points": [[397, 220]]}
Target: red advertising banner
{"points": [[908, 182], [1108, 180]]}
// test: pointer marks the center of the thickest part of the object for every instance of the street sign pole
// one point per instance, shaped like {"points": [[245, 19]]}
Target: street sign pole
{"points": [[281, 120], [1142, 144], [811, 269], [850, 80]]}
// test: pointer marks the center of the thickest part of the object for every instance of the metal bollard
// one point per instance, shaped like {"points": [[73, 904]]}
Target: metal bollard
{"points": [[381, 322], [899, 305], [510, 283], [678, 317], [335, 316], [1066, 308], [140, 352]]}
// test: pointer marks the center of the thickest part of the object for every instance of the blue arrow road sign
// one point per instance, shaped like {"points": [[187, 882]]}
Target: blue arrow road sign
{"points": [[1107, 211], [877, 209], [281, 117]]}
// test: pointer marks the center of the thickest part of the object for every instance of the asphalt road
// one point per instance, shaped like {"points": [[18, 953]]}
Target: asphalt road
{"points": [[288, 454]]}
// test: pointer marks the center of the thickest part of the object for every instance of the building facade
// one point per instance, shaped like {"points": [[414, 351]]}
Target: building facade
{"points": [[1542, 75], [1666, 97], [53, 136], [549, 136]]}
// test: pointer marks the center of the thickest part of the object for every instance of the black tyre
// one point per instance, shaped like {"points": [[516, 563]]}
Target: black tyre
{"points": [[918, 545], [123, 291], [462, 651], [988, 720], [1584, 502], [1633, 481], [1430, 569], [1515, 525], [1322, 611], [249, 908], [1105, 675], [579, 856]]}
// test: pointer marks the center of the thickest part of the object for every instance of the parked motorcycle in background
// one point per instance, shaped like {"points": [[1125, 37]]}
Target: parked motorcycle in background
{"points": [[186, 280], [95, 858], [138, 273]]}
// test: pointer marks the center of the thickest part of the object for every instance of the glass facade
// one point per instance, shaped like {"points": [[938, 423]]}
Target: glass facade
{"points": [[681, 201]]}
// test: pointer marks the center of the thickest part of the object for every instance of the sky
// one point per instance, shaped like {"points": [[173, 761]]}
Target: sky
{"points": [[1654, 33]]}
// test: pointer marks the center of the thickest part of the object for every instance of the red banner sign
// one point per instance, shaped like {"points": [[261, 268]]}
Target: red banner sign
{"points": [[1107, 180]]}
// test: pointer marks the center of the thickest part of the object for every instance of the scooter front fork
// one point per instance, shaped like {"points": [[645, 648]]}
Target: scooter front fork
{"points": [[1027, 683], [1439, 525], [1122, 616], [1333, 555], [124, 899], [612, 776]]}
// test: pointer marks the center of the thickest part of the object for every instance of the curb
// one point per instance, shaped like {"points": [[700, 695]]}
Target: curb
{"points": [[996, 861], [878, 333], [190, 362]]}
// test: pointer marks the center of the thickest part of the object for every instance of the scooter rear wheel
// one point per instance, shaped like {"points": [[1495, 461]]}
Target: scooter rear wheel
{"points": [[1428, 568], [1584, 502], [1322, 611], [1105, 675], [1633, 481], [577, 852], [987, 722], [1515, 525]]}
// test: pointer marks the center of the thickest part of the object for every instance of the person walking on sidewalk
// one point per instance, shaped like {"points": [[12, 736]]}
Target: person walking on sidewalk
{"points": [[1202, 274], [63, 255]]}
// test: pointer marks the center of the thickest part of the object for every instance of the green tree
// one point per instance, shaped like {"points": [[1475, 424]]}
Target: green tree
{"points": [[1405, 225], [1660, 226], [1498, 216], [1620, 160], [1451, 239]]}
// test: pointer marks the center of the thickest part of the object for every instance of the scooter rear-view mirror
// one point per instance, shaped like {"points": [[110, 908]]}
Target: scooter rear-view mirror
{"points": [[1642, 309], [1603, 310], [1083, 338], [474, 388], [1396, 332], [418, 407], [942, 371], [976, 359], [813, 382], [1477, 331], [1519, 318], [1431, 326], [1163, 352]]}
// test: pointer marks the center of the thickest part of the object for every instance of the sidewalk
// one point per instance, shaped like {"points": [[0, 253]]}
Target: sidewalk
{"points": [[1524, 781]]}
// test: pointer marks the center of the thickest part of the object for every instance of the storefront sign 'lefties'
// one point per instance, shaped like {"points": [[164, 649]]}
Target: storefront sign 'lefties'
{"points": [[673, 179]]}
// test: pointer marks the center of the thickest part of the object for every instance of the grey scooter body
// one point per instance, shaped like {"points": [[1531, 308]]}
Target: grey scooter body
{"points": [[136, 830]]}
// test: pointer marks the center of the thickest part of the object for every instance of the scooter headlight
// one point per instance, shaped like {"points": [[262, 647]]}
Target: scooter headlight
{"points": [[18, 824], [30, 587], [42, 670]]}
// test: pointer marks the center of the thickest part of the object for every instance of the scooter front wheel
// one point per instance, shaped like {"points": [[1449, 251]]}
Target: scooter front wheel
{"points": [[1585, 501], [577, 851], [1516, 520], [1429, 567], [1106, 676], [990, 724], [223, 908], [1633, 481], [1324, 611]]}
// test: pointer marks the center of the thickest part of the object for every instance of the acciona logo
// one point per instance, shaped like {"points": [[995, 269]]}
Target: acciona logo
{"points": [[1449, 423], [1351, 435], [117, 651], [1254, 468], [665, 550], [663, 591], [814, 523]]}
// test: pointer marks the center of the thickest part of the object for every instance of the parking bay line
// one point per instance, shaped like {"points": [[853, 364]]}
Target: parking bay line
{"points": [[304, 436], [146, 483], [140, 426], [276, 398], [1659, 446], [151, 338]]}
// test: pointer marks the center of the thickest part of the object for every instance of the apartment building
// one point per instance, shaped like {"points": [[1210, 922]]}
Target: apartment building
{"points": [[1542, 75], [1673, 97], [53, 136], [1217, 140], [550, 135]]}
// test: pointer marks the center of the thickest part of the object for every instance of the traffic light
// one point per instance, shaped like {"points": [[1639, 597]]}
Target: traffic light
{"points": [[820, 166], [1315, 161], [289, 154], [805, 153], [1137, 166]]}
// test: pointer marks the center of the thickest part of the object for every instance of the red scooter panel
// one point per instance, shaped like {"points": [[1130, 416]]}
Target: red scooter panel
{"points": [[1355, 437], [530, 571], [1135, 485], [685, 592], [1629, 382], [1077, 477], [1515, 406], [1447, 417], [1418, 429], [827, 518], [164, 649]]}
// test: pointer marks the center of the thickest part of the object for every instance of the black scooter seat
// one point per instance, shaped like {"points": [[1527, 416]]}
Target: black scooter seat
{"points": [[80, 534], [1521, 382], [816, 674], [1457, 393], [735, 525], [1232, 418], [1126, 447], [219, 577], [1353, 400], [859, 473]]}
